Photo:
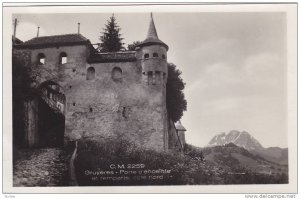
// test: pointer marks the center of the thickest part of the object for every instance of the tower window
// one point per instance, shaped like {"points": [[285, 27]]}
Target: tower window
{"points": [[91, 109], [63, 58], [163, 56], [116, 74], [150, 77], [90, 73], [145, 78], [157, 76], [155, 55], [41, 58], [146, 56]]}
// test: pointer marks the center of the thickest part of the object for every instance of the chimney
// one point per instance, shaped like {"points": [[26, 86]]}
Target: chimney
{"points": [[15, 27], [78, 28], [38, 32]]}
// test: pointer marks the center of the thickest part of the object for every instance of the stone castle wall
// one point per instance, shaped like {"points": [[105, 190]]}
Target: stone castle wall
{"points": [[62, 74], [108, 104], [117, 107]]}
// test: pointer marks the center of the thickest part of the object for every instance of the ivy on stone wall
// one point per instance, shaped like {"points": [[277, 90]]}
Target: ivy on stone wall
{"points": [[21, 92]]}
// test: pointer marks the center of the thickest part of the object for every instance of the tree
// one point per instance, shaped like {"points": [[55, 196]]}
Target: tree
{"points": [[176, 102], [131, 47], [111, 40], [21, 91]]}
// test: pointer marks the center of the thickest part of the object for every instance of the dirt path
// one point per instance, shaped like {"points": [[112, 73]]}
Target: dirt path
{"points": [[40, 167]]}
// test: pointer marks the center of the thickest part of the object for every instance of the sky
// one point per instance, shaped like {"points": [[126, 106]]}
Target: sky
{"points": [[233, 64]]}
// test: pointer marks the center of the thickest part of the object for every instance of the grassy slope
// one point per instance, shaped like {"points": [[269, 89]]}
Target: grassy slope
{"points": [[186, 168], [231, 157]]}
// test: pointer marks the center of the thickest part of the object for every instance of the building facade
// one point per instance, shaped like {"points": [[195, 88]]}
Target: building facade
{"points": [[98, 95]]}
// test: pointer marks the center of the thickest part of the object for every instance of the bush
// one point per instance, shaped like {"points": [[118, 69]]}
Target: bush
{"points": [[99, 155]]}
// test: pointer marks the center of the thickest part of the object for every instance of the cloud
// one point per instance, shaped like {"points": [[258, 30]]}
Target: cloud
{"points": [[220, 50], [215, 76], [264, 66], [248, 96], [257, 74]]}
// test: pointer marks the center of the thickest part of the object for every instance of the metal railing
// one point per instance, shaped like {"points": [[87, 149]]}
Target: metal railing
{"points": [[52, 104]]}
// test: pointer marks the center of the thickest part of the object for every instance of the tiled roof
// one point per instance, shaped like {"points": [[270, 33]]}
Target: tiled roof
{"points": [[127, 56], [152, 37], [179, 126], [15, 40], [67, 39]]}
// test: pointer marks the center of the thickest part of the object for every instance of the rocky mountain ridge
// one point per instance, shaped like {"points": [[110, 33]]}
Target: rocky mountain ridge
{"points": [[248, 142]]}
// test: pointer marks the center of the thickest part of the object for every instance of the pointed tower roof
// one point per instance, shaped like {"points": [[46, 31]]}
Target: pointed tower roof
{"points": [[179, 126], [152, 30], [152, 38]]}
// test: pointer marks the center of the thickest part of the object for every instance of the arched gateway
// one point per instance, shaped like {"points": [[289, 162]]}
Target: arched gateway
{"points": [[46, 116]]}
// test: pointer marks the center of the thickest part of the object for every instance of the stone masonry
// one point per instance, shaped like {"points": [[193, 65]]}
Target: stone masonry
{"points": [[121, 94]]}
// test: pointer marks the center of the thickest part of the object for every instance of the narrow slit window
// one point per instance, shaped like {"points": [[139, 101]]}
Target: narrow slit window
{"points": [[124, 112], [157, 77], [150, 77]]}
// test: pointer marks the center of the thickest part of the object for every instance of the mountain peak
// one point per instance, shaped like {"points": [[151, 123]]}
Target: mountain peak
{"points": [[242, 139]]}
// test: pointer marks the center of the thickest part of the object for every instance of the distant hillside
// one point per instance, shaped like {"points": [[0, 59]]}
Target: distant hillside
{"points": [[248, 142], [237, 161], [274, 154]]}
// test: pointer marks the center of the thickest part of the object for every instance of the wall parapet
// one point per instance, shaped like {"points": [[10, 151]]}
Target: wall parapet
{"points": [[128, 56]]}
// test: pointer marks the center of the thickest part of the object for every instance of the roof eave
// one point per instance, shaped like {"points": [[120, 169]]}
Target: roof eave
{"points": [[150, 43], [37, 46]]}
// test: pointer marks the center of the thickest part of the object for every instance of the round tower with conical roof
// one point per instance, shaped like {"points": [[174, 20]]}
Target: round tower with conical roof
{"points": [[152, 60], [152, 54]]}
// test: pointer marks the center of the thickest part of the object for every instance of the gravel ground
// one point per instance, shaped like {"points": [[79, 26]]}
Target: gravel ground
{"points": [[40, 167]]}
